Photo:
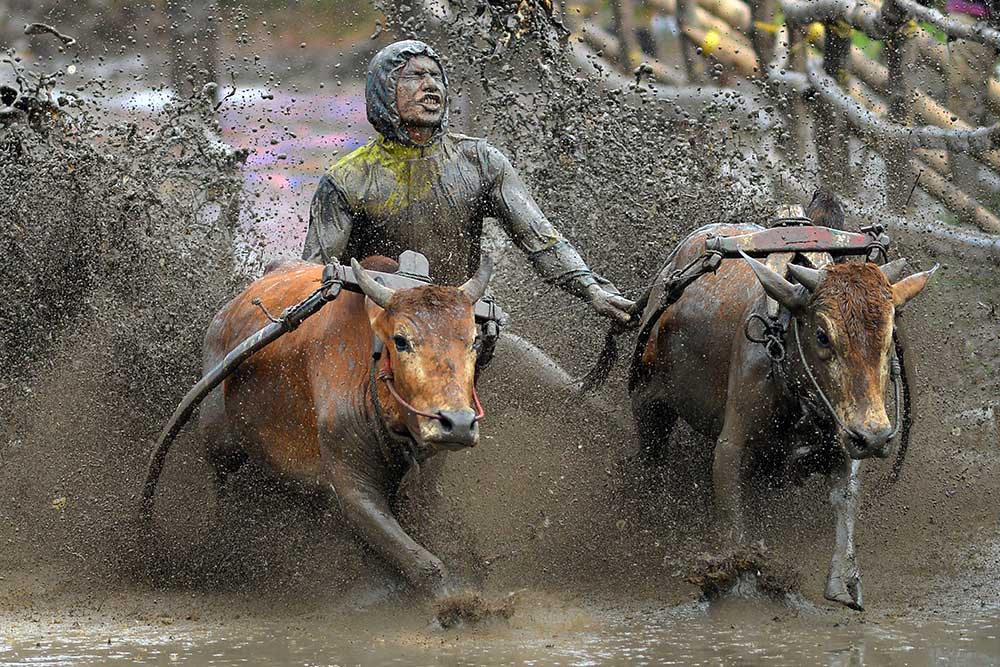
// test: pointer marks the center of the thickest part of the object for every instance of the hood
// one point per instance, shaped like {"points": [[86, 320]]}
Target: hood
{"points": [[380, 89]]}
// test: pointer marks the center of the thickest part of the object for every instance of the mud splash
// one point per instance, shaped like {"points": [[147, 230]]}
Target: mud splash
{"points": [[134, 267], [471, 609], [746, 573]]}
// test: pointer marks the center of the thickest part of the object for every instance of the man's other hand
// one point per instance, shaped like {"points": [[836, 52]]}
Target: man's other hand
{"points": [[613, 306]]}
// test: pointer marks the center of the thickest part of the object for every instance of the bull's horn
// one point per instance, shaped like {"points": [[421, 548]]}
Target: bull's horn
{"points": [[893, 271], [809, 278], [375, 291], [475, 287], [793, 297]]}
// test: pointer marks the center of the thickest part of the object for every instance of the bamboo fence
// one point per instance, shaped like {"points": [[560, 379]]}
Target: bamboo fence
{"points": [[802, 53]]}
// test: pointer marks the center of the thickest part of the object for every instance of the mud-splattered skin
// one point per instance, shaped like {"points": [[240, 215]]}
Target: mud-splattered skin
{"points": [[699, 366], [302, 406]]}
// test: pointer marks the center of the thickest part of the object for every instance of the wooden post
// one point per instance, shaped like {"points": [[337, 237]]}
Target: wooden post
{"points": [[830, 129], [194, 45], [685, 19], [629, 55], [763, 29], [898, 157], [793, 106]]}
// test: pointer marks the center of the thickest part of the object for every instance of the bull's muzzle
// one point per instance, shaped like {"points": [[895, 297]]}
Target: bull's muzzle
{"points": [[453, 429], [868, 441]]}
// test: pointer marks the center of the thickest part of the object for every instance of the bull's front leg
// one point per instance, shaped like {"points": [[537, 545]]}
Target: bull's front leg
{"points": [[727, 481], [843, 584], [366, 507]]}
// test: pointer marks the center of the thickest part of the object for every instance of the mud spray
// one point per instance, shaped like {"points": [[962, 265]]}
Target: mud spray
{"points": [[118, 249]]}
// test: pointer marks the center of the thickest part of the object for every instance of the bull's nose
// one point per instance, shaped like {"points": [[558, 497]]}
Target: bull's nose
{"points": [[458, 426], [871, 439]]}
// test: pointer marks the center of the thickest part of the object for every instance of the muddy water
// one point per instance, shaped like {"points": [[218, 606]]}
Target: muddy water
{"points": [[742, 632]]}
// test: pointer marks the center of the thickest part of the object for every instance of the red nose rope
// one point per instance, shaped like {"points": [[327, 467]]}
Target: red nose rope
{"points": [[385, 374]]}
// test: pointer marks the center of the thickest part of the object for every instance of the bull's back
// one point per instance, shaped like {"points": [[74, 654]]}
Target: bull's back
{"points": [[685, 365], [273, 405]]}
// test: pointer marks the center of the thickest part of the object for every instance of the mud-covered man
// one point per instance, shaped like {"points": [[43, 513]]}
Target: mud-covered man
{"points": [[418, 187]]}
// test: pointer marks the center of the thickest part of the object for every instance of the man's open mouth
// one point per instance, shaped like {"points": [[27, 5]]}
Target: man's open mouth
{"points": [[430, 101]]}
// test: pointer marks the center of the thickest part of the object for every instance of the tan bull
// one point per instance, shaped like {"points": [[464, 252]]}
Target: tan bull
{"points": [[312, 407], [699, 366]]}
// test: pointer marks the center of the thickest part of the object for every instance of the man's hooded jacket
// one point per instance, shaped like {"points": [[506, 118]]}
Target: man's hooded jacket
{"points": [[392, 195]]}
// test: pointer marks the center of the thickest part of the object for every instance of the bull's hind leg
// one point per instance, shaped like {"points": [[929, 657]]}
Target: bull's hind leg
{"points": [[222, 450], [655, 421], [843, 584], [224, 462]]}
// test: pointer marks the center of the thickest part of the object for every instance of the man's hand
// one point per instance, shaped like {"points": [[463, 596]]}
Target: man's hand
{"points": [[613, 306]]}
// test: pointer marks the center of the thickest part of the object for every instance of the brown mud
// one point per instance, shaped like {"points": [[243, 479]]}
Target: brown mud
{"points": [[105, 306]]}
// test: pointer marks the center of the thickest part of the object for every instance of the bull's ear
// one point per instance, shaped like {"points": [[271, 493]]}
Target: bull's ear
{"points": [[791, 296], [910, 286], [373, 310]]}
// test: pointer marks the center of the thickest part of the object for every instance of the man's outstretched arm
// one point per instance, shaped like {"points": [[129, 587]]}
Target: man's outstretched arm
{"points": [[553, 257], [330, 222]]}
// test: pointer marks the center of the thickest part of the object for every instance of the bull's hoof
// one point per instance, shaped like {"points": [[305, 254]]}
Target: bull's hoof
{"points": [[845, 588], [469, 608]]}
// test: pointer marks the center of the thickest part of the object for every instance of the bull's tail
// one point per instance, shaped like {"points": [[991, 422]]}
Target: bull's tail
{"points": [[608, 356], [191, 401], [290, 319], [598, 375]]}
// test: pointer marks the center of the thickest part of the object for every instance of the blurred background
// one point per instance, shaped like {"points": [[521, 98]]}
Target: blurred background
{"points": [[292, 74]]}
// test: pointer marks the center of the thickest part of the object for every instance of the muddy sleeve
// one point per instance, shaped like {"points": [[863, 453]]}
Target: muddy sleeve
{"points": [[330, 222], [553, 257]]}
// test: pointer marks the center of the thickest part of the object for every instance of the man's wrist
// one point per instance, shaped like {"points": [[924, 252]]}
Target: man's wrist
{"points": [[582, 286]]}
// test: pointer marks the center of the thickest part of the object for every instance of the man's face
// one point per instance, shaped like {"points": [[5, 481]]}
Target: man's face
{"points": [[420, 93]]}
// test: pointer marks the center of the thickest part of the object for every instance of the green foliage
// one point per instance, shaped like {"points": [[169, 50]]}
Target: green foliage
{"points": [[935, 32], [871, 47]]}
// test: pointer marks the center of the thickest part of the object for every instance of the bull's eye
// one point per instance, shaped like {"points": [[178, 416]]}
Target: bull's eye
{"points": [[402, 345], [477, 344], [822, 339]]}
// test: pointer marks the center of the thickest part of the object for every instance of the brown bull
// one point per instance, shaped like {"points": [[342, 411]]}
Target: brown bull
{"points": [[303, 406], [698, 365]]}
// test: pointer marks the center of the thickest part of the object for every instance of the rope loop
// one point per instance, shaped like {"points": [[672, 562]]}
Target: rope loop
{"points": [[772, 336]]}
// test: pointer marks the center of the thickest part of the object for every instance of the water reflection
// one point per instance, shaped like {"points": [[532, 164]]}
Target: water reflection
{"points": [[741, 635]]}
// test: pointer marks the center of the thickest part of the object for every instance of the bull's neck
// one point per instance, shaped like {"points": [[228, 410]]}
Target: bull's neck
{"points": [[381, 414]]}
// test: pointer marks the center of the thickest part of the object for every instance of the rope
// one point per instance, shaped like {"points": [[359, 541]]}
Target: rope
{"points": [[812, 378]]}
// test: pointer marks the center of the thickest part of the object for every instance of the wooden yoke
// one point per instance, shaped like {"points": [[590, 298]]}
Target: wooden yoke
{"points": [[413, 272]]}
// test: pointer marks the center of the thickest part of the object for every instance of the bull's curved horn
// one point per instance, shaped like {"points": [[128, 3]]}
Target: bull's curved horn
{"points": [[793, 297], [809, 278], [375, 291], [893, 271], [475, 287]]}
